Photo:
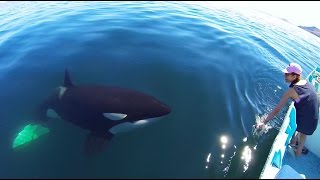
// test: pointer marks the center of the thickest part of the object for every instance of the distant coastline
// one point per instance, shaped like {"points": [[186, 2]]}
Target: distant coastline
{"points": [[312, 30]]}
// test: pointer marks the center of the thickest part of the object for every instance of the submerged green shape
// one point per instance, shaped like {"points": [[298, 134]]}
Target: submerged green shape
{"points": [[29, 133]]}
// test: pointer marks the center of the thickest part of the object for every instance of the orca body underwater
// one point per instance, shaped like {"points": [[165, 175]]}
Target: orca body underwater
{"points": [[100, 108]]}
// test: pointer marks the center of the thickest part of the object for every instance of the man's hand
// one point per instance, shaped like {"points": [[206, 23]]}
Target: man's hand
{"points": [[260, 121], [259, 125]]}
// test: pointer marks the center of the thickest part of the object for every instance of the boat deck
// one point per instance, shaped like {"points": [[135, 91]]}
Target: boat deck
{"points": [[306, 164]]}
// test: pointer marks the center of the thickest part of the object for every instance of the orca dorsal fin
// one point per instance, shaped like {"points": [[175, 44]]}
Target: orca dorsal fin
{"points": [[67, 82]]}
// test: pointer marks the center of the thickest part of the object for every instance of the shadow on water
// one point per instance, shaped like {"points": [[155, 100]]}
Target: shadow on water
{"points": [[244, 161]]}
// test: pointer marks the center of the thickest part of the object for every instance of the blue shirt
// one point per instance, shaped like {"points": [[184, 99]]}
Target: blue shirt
{"points": [[307, 108]]}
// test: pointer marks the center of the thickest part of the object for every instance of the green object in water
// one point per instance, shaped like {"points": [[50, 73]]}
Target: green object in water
{"points": [[29, 133]]}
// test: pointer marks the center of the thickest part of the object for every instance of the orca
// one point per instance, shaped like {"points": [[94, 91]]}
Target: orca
{"points": [[101, 109]]}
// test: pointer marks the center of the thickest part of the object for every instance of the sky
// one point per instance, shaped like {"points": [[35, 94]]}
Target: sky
{"points": [[299, 13]]}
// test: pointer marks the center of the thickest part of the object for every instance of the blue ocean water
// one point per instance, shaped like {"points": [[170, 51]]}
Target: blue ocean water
{"points": [[216, 67]]}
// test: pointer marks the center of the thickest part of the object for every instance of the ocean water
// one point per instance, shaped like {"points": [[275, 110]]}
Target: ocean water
{"points": [[216, 67]]}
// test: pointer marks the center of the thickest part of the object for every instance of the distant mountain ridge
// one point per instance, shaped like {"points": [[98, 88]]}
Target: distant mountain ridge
{"points": [[312, 30]]}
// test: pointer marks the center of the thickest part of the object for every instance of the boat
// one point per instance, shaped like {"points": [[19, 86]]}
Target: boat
{"points": [[281, 162]]}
